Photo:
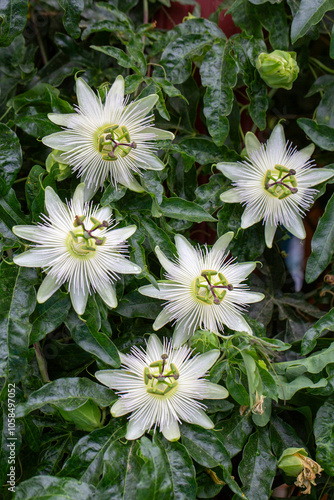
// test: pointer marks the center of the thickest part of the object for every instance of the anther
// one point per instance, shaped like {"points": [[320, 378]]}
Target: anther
{"points": [[164, 356]]}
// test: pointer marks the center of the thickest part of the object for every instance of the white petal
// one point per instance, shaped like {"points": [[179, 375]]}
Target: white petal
{"points": [[164, 261], [221, 244], [252, 143], [79, 297], [154, 163], [133, 185], [206, 360], [142, 106], [65, 120], [213, 391], [154, 347], [232, 171], [172, 431], [159, 133], [103, 213], [316, 175], [90, 191], [58, 141], [124, 266], [151, 291], [276, 142], [162, 318], [53, 203], [107, 294], [269, 233], [79, 197], [231, 196], [87, 99], [245, 269], [252, 297], [31, 233], [198, 417], [297, 227], [47, 288], [110, 378], [237, 323], [248, 218], [116, 93], [123, 233], [118, 409], [134, 430], [32, 258], [308, 151], [181, 334], [187, 253]]}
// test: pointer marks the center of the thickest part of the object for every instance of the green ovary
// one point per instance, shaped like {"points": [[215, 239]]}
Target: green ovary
{"points": [[82, 244], [280, 182], [210, 288], [161, 378], [114, 141]]}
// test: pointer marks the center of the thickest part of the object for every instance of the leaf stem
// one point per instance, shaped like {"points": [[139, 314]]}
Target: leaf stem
{"points": [[41, 363], [39, 38]]}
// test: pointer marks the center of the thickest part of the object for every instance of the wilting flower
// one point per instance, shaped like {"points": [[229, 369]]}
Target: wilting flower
{"points": [[274, 183], [203, 290], [278, 69], [76, 243], [161, 386], [111, 139], [295, 462]]}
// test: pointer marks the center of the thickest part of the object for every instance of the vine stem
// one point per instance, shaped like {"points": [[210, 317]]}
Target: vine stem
{"points": [[41, 363]]}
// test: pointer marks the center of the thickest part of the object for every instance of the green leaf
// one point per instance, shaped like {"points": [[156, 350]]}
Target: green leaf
{"points": [[69, 393], [322, 325], [136, 305], [157, 237], [71, 18], [308, 14], [322, 244], [273, 18], [283, 436], [180, 469], [91, 453], [219, 74], [180, 209], [97, 343], [321, 135], [49, 316], [13, 17], [48, 487], [205, 446], [112, 194], [323, 433], [286, 390], [10, 158], [234, 432], [312, 364], [17, 302], [121, 57], [257, 468]]}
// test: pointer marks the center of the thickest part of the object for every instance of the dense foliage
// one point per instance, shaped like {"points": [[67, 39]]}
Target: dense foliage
{"points": [[211, 91]]}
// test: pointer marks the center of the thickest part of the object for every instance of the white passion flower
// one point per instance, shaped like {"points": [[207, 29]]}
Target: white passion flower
{"points": [[203, 290], [274, 184], [76, 243], [113, 139], [161, 386]]}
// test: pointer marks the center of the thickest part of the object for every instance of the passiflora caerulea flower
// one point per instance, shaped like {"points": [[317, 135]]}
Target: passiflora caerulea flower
{"points": [[113, 139], [274, 183], [76, 243], [161, 386], [203, 290]]}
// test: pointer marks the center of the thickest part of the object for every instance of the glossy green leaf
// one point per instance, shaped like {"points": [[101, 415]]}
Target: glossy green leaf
{"points": [[322, 244], [71, 18], [323, 433], [112, 194], [49, 316], [308, 14], [17, 302], [235, 431], [158, 237], [90, 340], [205, 446], [321, 326], [286, 390], [177, 208], [69, 392], [10, 158], [283, 436], [13, 17], [122, 58], [48, 487], [258, 466], [136, 305], [321, 135]]}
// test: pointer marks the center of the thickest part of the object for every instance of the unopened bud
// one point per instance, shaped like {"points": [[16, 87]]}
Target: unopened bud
{"points": [[278, 69], [203, 341]]}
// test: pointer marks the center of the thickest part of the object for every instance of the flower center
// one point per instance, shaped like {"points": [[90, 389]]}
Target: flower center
{"points": [[211, 287], [115, 141], [161, 378], [280, 182], [81, 241]]}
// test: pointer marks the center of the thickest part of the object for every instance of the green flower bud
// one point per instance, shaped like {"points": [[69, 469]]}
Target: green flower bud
{"points": [[278, 69], [203, 341], [54, 161], [86, 417], [290, 462]]}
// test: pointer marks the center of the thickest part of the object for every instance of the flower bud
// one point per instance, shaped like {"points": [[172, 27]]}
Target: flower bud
{"points": [[278, 69], [203, 341], [295, 462], [86, 417], [55, 161]]}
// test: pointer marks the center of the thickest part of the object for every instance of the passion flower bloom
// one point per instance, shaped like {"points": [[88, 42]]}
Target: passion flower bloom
{"points": [[76, 243], [111, 139], [274, 183], [203, 290], [161, 386]]}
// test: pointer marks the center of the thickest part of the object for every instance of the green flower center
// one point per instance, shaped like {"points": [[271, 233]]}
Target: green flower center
{"points": [[161, 378], [210, 288], [81, 241], [114, 141], [280, 182]]}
